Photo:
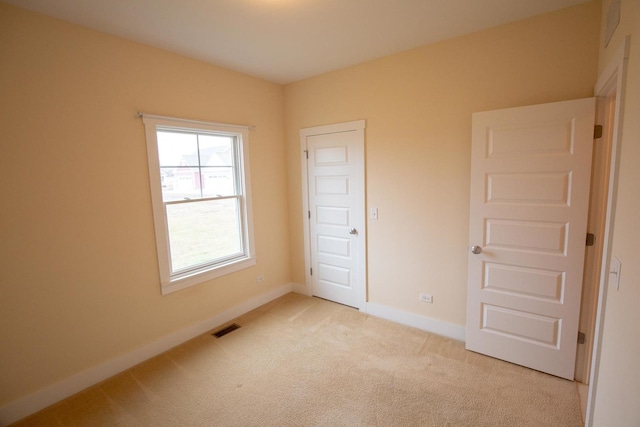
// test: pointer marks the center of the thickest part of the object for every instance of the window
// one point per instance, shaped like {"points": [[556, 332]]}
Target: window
{"points": [[199, 175]]}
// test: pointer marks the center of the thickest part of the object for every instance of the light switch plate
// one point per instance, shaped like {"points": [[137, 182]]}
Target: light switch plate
{"points": [[614, 272], [373, 212]]}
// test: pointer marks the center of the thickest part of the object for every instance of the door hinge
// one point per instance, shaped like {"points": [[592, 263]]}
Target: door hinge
{"points": [[597, 132], [306, 153], [309, 212], [311, 271], [591, 239], [581, 338]]}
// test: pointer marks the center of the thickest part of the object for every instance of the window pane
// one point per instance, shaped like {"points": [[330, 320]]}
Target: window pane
{"points": [[216, 150], [195, 165], [218, 182], [203, 231], [180, 184], [177, 149]]}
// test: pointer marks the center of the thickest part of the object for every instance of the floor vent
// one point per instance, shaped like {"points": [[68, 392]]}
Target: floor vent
{"points": [[224, 331]]}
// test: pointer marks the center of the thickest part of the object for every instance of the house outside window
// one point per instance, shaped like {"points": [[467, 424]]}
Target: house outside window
{"points": [[199, 175]]}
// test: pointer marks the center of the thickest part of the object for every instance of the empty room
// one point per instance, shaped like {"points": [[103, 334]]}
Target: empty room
{"points": [[310, 212]]}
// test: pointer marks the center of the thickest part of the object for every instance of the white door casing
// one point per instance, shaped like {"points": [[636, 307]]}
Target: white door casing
{"points": [[611, 85], [596, 225], [334, 213], [530, 178]]}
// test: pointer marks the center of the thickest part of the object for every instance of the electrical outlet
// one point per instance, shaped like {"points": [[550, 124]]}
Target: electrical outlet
{"points": [[426, 298], [260, 279]]}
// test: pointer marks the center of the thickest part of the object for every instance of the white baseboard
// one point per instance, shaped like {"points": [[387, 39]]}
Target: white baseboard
{"points": [[439, 327], [49, 395], [301, 289]]}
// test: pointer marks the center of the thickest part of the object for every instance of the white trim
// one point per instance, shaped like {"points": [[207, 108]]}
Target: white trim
{"points": [[301, 289], [51, 394], [193, 122], [614, 70], [611, 81], [429, 324], [202, 276], [306, 225], [357, 126], [334, 128]]}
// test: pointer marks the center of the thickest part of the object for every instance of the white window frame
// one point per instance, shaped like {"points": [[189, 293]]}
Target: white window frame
{"points": [[171, 283]]}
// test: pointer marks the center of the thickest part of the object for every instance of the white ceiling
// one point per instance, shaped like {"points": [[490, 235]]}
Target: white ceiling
{"points": [[288, 40]]}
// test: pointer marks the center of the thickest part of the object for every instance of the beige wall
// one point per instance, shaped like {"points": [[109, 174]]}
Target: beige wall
{"points": [[79, 281], [418, 107], [618, 392]]}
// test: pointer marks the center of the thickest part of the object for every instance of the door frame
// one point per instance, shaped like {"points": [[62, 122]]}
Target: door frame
{"points": [[611, 83], [361, 243], [593, 253]]}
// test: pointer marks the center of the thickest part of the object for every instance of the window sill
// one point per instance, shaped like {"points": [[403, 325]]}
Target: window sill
{"points": [[203, 276]]}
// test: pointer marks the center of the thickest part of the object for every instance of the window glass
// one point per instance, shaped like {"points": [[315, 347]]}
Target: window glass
{"points": [[203, 231], [195, 166]]}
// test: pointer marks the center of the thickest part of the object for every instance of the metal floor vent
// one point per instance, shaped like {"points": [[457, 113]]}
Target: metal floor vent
{"points": [[224, 331]]}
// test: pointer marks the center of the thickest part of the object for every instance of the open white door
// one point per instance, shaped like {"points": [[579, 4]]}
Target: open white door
{"points": [[333, 171], [530, 179]]}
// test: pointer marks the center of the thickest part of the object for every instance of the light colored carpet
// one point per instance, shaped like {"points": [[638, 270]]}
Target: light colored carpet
{"points": [[301, 361]]}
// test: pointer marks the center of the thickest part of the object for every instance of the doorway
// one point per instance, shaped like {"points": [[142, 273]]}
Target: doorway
{"points": [[609, 89]]}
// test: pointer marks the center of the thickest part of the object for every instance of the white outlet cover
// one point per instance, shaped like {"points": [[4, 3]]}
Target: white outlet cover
{"points": [[426, 298]]}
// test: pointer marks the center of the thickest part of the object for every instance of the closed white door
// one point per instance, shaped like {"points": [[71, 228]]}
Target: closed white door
{"points": [[530, 179], [334, 163]]}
